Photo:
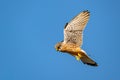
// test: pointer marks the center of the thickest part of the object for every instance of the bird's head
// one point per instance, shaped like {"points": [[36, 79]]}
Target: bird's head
{"points": [[58, 46]]}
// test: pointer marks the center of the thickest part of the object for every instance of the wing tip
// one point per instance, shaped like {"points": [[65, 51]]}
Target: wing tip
{"points": [[92, 64], [86, 11], [65, 25]]}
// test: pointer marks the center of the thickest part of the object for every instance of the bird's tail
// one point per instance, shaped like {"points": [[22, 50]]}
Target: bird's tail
{"points": [[85, 58]]}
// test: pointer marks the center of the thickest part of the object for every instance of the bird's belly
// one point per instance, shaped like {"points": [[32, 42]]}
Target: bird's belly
{"points": [[71, 50]]}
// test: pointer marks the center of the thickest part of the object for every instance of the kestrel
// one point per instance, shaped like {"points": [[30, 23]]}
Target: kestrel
{"points": [[72, 42]]}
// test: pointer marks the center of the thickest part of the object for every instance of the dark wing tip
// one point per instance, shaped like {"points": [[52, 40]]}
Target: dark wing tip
{"points": [[62, 41], [92, 64], [86, 11], [65, 25]]}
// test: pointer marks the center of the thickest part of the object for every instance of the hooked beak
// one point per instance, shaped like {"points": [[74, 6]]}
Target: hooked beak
{"points": [[57, 50]]}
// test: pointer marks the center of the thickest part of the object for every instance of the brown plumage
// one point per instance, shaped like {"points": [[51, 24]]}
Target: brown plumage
{"points": [[73, 38]]}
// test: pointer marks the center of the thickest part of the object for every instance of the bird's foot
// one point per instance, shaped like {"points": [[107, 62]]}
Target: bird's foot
{"points": [[79, 55], [77, 58]]}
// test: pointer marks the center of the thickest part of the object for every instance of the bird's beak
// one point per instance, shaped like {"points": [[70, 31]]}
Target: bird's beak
{"points": [[57, 50]]}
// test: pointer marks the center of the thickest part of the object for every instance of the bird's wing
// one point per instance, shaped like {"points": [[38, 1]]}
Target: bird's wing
{"points": [[73, 30]]}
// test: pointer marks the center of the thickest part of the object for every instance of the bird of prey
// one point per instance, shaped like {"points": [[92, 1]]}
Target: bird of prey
{"points": [[73, 38]]}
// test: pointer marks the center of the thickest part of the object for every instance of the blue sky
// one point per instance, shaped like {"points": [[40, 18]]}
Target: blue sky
{"points": [[29, 29]]}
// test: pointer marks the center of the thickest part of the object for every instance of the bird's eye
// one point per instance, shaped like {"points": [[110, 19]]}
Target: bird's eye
{"points": [[58, 47]]}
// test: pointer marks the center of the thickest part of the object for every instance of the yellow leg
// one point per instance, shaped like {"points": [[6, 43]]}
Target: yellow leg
{"points": [[78, 56]]}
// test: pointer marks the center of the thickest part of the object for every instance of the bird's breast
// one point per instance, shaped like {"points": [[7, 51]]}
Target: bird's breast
{"points": [[70, 48]]}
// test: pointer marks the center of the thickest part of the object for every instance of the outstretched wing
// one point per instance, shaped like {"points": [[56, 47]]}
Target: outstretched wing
{"points": [[73, 30]]}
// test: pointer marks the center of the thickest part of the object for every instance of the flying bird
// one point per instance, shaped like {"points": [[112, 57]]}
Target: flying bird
{"points": [[73, 35]]}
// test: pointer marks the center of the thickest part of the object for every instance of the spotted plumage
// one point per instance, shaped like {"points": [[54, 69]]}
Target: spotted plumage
{"points": [[73, 35]]}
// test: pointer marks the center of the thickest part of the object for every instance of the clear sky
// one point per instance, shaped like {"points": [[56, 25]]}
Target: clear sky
{"points": [[29, 29]]}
